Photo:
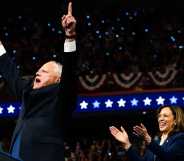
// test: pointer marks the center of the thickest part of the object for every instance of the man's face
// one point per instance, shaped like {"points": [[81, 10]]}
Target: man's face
{"points": [[46, 75]]}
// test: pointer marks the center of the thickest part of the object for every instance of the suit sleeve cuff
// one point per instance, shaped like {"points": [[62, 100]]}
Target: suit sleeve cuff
{"points": [[2, 50], [70, 46]]}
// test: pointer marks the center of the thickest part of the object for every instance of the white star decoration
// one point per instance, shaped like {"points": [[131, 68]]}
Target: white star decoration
{"points": [[11, 109], [112, 102], [134, 102], [108, 103], [173, 100], [96, 104], [147, 101], [121, 103], [128, 102], [1, 110], [160, 100], [83, 105]]}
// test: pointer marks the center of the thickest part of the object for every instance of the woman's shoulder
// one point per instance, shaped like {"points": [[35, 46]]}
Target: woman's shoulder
{"points": [[177, 135]]}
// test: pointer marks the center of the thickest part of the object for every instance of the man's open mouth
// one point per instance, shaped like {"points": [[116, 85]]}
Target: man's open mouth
{"points": [[37, 80]]}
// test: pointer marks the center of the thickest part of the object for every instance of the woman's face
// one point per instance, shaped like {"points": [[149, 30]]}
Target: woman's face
{"points": [[166, 120]]}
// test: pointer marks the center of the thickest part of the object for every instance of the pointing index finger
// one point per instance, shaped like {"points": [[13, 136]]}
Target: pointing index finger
{"points": [[70, 8]]}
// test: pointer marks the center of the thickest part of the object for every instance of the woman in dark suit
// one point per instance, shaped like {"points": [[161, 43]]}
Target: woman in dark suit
{"points": [[171, 143]]}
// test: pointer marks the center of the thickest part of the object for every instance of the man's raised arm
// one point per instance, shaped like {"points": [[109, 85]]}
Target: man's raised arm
{"points": [[69, 26], [9, 72]]}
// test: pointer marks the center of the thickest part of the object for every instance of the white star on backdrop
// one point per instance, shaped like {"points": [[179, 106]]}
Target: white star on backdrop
{"points": [[173, 100], [121, 103], [147, 101], [96, 104], [1, 110], [160, 100], [83, 105], [11, 109], [108, 103], [134, 102]]}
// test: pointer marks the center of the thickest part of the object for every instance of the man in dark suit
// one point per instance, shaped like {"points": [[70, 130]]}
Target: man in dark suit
{"points": [[46, 101]]}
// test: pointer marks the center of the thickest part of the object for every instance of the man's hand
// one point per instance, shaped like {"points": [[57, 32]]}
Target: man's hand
{"points": [[69, 23]]}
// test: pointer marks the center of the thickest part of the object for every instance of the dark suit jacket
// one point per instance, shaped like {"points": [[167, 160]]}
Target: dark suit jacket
{"points": [[171, 150], [44, 111]]}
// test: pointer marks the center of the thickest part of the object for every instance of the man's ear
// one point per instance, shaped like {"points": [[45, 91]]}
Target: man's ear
{"points": [[58, 80]]}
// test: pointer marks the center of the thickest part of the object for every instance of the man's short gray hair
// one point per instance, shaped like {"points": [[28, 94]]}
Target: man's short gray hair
{"points": [[59, 67]]}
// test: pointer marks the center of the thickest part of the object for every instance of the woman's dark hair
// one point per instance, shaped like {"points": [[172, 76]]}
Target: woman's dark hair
{"points": [[178, 114]]}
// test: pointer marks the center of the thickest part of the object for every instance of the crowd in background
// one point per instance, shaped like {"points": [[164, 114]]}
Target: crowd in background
{"points": [[91, 149], [125, 41], [88, 138]]}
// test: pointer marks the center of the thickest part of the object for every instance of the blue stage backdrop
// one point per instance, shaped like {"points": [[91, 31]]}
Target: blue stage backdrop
{"points": [[112, 102], [130, 101]]}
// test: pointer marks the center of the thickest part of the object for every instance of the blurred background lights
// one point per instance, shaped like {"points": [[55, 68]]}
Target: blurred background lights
{"points": [[53, 29], [117, 36], [49, 24], [89, 24], [14, 51], [133, 33], [126, 13], [106, 33], [172, 38], [88, 17], [146, 30], [100, 36], [180, 47], [54, 55], [122, 28], [6, 34], [97, 31], [59, 32], [102, 21], [120, 48], [19, 17]]}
